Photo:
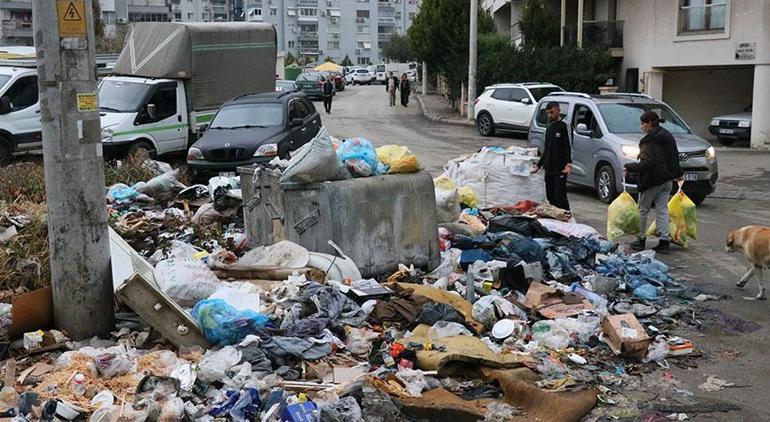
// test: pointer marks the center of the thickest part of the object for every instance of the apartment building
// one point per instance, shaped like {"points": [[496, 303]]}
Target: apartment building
{"points": [[705, 58], [320, 29], [16, 22]]}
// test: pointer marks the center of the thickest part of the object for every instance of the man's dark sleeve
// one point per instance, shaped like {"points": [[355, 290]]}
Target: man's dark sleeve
{"points": [[566, 149], [645, 162], [545, 153]]}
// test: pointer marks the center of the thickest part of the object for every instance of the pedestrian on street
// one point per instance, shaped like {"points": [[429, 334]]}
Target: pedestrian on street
{"points": [[391, 86], [556, 158], [405, 90], [328, 91], [657, 168]]}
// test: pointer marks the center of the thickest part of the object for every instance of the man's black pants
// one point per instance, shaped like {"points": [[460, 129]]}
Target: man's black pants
{"points": [[556, 190], [328, 104]]}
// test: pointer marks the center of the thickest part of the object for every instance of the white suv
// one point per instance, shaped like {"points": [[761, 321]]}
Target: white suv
{"points": [[362, 76], [509, 106]]}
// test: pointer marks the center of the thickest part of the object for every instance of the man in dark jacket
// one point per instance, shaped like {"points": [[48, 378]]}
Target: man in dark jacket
{"points": [[557, 158], [328, 91], [657, 168]]}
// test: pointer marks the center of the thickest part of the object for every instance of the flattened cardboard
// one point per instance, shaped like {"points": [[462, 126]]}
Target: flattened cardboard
{"points": [[540, 294], [31, 312], [563, 310], [625, 335]]}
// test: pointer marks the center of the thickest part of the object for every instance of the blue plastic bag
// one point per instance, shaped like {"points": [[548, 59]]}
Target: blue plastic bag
{"points": [[224, 325], [360, 157], [646, 292]]}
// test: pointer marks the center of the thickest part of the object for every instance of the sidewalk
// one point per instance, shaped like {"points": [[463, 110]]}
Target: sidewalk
{"points": [[436, 108]]}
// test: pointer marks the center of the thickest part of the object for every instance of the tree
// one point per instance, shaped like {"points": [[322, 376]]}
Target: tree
{"points": [[96, 8], [539, 27], [439, 36], [289, 59], [346, 61], [398, 49], [330, 60]]}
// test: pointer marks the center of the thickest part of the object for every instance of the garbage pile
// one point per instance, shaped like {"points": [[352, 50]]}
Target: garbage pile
{"points": [[529, 316]]}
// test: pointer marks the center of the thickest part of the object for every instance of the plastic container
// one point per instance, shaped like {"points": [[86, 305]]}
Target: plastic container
{"points": [[79, 384], [379, 222]]}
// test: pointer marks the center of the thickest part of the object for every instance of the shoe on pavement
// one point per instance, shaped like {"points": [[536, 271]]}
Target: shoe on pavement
{"points": [[639, 245], [663, 246]]}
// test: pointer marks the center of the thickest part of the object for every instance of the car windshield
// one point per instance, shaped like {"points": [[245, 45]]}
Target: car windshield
{"points": [[238, 116], [122, 97], [309, 77], [362, 71], [285, 84], [539, 93], [4, 79], [624, 118]]}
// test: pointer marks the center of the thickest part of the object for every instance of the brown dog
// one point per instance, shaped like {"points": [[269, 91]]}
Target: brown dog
{"points": [[754, 241]]}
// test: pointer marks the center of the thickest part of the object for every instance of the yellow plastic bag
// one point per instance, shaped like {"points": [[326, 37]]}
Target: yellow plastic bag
{"points": [[690, 216], [443, 183], [399, 158], [677, 225], [623, 217], [468, 197]]}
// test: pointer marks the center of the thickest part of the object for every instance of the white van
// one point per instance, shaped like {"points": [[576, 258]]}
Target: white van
{"points": [[20, 128], [398, 69]]}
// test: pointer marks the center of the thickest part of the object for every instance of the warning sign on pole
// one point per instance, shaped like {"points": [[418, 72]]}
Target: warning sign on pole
{"points": [[72, 18]]}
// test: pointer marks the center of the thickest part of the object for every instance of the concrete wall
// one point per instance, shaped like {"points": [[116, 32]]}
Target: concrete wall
{"points": [[700, 95]]}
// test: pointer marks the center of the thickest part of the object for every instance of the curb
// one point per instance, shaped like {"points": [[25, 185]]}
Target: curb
{"points": [[435, 118]]}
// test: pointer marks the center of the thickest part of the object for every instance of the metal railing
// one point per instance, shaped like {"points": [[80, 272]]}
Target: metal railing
{"points": [[608, 34]]}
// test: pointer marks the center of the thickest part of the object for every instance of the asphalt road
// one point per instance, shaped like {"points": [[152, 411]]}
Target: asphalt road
{"points": [[742, 198]]}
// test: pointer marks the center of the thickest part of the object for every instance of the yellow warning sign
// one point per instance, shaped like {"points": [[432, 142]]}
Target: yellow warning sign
{"points": [[87, 102], [72, 18]]}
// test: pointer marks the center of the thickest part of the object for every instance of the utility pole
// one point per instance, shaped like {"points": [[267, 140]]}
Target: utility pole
{"points": [[472, 56], [74, 168]]}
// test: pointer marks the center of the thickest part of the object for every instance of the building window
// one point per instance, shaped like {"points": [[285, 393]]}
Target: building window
{"points": [[362, 61], [190, 16], [273, 11], [333, 45], [206, 17], [291, 12], [308, 28], [256, 12], [365, 45], [109, 17], [291, 44], [364, 29], [699, 16], [305, 11], [362, 13], [178, 16]]}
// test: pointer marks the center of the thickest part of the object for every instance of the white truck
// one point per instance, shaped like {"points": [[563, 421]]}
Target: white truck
{"points": [[167, 83], [398, 69]]}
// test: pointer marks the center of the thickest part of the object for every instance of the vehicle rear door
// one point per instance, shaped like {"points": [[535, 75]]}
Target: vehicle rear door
{"points": [[500, 106], [520, 107], [314, 118], [585, 145]]}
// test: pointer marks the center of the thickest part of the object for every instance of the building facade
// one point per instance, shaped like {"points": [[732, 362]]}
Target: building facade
{"points": [[705, 58], [319, 29]]}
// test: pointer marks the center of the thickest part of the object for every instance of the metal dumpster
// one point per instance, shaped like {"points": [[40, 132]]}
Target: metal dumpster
{"points": [[379, 222]]}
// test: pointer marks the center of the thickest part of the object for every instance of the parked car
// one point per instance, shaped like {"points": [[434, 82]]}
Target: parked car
{"points": [[509, 106], [339, 81], [732, 127], [286, 86], [254, 128], [363, 76], [605, 131], [311, 83], [348, 72]]}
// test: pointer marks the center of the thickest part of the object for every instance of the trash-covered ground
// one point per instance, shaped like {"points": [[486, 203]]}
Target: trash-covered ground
{"points": [[528, 315]]}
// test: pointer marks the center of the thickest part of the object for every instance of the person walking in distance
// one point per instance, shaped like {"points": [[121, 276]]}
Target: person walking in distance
{"points": [[328, 91], [657, 167], [391, 86], [556, 158], [405, 90]]}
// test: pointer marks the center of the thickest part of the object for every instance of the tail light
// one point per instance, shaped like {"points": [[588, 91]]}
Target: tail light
{"points": [[476, 101]]}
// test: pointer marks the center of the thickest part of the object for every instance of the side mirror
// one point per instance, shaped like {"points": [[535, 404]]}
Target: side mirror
{"points": [[151, 111], [204, 127], [5, 104], [582, 129], [296, 122], [525, 101]]}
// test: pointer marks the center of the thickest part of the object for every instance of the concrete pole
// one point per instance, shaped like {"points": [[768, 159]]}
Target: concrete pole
{"points": [[424, 78], [563, 22], [74, 168], [760, 108], [472, 56], [581, 6]]}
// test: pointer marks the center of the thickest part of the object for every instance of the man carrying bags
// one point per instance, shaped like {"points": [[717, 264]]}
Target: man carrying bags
{"points": [[658, 167]]}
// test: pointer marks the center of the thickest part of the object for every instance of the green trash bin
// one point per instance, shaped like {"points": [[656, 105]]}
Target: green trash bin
{"points": [[292, 71]]}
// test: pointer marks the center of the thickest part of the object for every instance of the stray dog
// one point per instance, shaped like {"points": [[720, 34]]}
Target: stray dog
{"points": [[754, 241]]}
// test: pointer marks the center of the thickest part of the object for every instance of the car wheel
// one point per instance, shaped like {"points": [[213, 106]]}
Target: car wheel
{"points": [[726, 141], [485, 124], [605, 184], [6, 152], [143, 149]]}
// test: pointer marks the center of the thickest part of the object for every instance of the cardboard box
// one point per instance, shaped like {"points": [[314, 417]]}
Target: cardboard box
{"points": [[625, 335], [540, 294]]}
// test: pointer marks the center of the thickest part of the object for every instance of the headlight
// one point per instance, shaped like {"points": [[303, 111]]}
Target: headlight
{"points": [[711, 154], [267, 150], [744, 123], [715, 122], [194, 154], [630, 152]]}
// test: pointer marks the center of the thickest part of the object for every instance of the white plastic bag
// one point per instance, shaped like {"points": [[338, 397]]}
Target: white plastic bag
{"points": [[316, 161], [414, 381], [186, 282], [443, 329], [162, 188], [215, 364]]}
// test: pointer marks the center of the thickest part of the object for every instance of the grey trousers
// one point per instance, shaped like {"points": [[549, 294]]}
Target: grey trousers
{"points": [[658, 196]]}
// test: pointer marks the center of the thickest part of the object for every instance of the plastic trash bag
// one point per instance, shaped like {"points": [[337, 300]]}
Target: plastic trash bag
{"points": [[215, 364], [443, 329], [360, 157], [677, 224], [162, 188], [444, 183], [414, 381], [657, 351], [121, 192], [186, 281], [113, 363], [315, 161], [690, 215], [468, 197], [623, 217], [224, 325], [398, 158]]}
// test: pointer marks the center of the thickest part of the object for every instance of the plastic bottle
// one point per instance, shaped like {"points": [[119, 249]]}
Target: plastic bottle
{"points": [[79, 384]]}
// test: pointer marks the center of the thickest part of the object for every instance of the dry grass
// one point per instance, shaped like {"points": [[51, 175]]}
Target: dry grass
{"points": [[24, 259], [128, 171], [23, 181]]}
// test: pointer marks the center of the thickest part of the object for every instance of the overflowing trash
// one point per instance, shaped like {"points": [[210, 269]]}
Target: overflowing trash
{"points": [[526, 314]]}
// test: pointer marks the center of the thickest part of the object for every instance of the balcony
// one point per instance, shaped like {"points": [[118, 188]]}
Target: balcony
{"points": [[17, 28], [308, 36], [306, 18], [386, 20], [16, 5], [608, 34], [385, 36], [313, 3], [308, 51]]}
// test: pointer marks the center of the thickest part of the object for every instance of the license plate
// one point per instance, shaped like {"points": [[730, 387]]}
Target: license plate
{"points": [[691, 177], [227, 174], [726, 131]]}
